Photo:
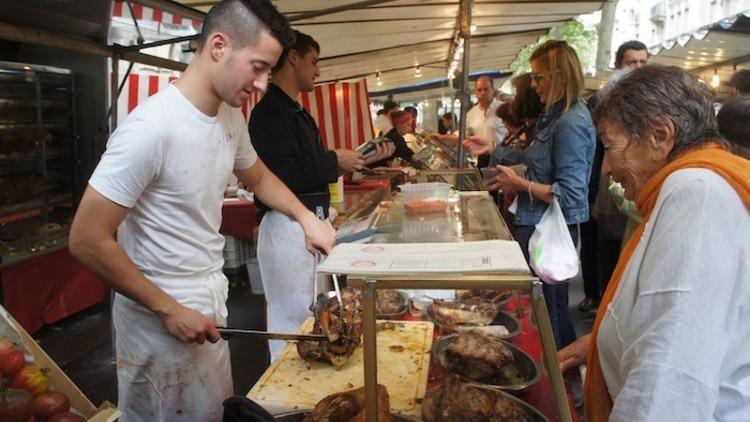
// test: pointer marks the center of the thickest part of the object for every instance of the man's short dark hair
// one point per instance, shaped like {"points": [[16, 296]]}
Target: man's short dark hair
{"points": [[380, 112], [733, 121], [741, 81], [244, 20], [412, 110], [390, 105], [653, 93], [630, 45], [302, 45]]}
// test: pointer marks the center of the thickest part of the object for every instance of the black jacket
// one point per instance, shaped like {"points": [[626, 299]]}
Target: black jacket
{"points": [[288, 141], [402, 150]]}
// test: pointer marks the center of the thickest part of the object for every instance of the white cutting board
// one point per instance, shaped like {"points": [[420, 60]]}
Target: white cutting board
{"points": [[291, 383]]}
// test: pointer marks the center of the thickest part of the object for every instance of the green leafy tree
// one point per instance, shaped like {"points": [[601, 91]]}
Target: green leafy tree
{"points": [[581, 38]]}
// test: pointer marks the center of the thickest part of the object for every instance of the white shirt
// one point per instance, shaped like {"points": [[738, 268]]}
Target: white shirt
{"points": [[382, 124], [485, 123], [674, 344], [169, 163]]}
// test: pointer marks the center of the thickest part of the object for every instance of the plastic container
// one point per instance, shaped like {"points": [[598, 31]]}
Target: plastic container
{"points": [[433, 191]]}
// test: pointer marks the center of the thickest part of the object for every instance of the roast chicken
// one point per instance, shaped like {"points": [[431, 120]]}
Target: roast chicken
{"points": [[389, 302], [458, 401], [343, 335], [350, 406], [454, 312], [477, 355], [476, 296]]}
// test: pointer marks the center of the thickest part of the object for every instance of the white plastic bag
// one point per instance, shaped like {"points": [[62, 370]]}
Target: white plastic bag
{"points": [[552, 254]]}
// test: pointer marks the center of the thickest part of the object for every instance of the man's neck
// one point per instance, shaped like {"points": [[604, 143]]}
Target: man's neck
{"points": [[284, 79], [486, 105], [196, 87]]}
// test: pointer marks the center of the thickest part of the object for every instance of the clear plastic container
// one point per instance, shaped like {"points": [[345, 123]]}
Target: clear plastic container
{"points": [[433, 191]]}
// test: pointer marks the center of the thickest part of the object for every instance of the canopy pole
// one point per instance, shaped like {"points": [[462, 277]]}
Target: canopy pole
{"points": [[465, 31]]}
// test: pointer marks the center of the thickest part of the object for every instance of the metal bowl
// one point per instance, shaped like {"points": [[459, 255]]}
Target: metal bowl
{"points": [[323, 298], [518, 375], [300, 416], [502, 318]]}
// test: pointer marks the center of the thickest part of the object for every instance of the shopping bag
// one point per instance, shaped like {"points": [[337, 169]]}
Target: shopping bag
{"points": [[552, 254]]}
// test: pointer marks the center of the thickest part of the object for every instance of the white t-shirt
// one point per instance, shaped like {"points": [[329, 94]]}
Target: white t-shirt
{"points": [[485, 123], [169, 163], [674, 344]]}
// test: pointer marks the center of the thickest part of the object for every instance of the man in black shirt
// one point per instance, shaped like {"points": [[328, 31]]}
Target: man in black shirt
{"points": [[288, 141]]}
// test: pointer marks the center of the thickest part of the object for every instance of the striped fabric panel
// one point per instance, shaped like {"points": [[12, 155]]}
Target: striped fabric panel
{"points": [[341, 110]]}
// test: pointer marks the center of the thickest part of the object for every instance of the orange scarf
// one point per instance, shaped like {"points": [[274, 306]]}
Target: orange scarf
{"points": [[736, 171]]}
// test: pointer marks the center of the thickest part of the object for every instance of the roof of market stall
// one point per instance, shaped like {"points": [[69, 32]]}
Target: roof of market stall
{"points": [[720, 49], [393, 37]]}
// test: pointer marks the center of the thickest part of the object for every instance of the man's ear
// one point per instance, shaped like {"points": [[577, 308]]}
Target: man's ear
{"points": [[217, 45], [662, 138], [293, 57]]}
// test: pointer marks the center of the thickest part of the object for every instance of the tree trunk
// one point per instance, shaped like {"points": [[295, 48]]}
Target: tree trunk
{"points": [[606, 25]]}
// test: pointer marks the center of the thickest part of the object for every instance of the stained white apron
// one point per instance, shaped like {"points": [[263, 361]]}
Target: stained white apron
{"points": [[286, 269], [160, 378]]}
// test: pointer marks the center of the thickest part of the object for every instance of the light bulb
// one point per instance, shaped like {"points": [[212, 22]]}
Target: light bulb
{"points": [[473, 28], [715, 80]]}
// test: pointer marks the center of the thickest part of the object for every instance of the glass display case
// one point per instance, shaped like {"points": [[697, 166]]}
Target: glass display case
{"points": [[37, 160], [460, 179]]}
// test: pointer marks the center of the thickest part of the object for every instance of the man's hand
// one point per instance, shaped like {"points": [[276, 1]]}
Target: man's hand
{"points": [[189, 325], [477, 146], [575, 354], [318, 233], [382, 150], [349, 160]]}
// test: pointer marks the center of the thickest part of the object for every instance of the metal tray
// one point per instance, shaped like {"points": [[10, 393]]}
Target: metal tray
{"points": [[300, 416], [502, 318], [523, 368], [323, 298]]}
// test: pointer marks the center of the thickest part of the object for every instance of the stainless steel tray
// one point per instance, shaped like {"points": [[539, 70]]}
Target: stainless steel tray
{"points": [[502, 318], [300, 416], [522, 373]]}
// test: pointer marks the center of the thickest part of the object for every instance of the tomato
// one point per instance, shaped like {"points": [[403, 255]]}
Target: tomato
{"points": [[66, 417], [32, 379], [11, 359], [50, 403], [15, 405]]}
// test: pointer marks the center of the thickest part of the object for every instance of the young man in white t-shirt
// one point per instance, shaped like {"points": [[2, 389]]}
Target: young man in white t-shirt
{"points": [[161, 181]]}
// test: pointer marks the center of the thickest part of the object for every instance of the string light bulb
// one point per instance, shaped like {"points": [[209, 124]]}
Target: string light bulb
{"points": [[377, 78], [417, 72]]}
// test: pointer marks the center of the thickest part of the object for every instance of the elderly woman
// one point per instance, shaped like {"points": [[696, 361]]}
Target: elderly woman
{"points": [[402, 124], [671, 336], [558, 162]]}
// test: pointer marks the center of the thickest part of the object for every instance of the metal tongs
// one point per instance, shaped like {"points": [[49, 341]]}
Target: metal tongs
{"points": [[316, 259], [227, 333]]}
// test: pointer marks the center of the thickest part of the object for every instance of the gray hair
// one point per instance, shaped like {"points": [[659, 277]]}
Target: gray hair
{"points": [[648, 95], [616, 76]]}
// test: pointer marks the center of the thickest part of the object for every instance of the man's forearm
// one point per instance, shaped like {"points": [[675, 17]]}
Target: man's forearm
{"points": [[276, 195], [114, 268]]}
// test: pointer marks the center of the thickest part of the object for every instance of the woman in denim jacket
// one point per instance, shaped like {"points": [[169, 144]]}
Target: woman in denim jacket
{"points": [[556, 164]]}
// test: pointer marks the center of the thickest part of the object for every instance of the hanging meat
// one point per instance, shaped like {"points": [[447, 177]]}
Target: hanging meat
{"points": [[342, 328], [349, 406], [457, 401], [477, 355]]}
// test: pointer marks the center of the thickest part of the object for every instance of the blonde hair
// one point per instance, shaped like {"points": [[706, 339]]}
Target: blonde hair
{"points": [[564, 71]]}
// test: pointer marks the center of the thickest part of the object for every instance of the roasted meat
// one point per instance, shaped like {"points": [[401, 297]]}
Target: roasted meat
{"points": [[477, 355], [350, 406], [344, 335], [389, 302], [457, 401], [452, 312], [482, 296]]}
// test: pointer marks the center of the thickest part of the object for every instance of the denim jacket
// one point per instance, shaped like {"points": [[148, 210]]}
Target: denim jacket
{"points": [[561, 155]]}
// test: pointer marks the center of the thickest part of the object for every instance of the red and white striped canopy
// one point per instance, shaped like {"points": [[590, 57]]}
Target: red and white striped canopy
{"points": [[141, 12], [342, 110]]}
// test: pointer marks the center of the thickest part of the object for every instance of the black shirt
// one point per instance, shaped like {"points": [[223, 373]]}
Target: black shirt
{"points": [[287, 140], [402, 150]]}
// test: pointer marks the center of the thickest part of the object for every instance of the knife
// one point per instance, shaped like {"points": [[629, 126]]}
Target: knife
{"points": [[227, 333]]}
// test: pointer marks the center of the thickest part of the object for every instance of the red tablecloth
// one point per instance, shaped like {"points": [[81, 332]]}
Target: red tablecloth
{"points": [[238, 219], [48, 288]]}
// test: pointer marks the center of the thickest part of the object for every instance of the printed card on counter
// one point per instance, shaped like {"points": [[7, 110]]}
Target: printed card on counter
{"points": [[481, 257]]}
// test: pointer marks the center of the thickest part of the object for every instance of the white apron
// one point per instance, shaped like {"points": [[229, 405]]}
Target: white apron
{"points": [[161, 378], [286, 269]]}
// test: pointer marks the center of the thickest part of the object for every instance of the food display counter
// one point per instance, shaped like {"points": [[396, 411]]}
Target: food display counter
{"points": [[469, 217]]}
